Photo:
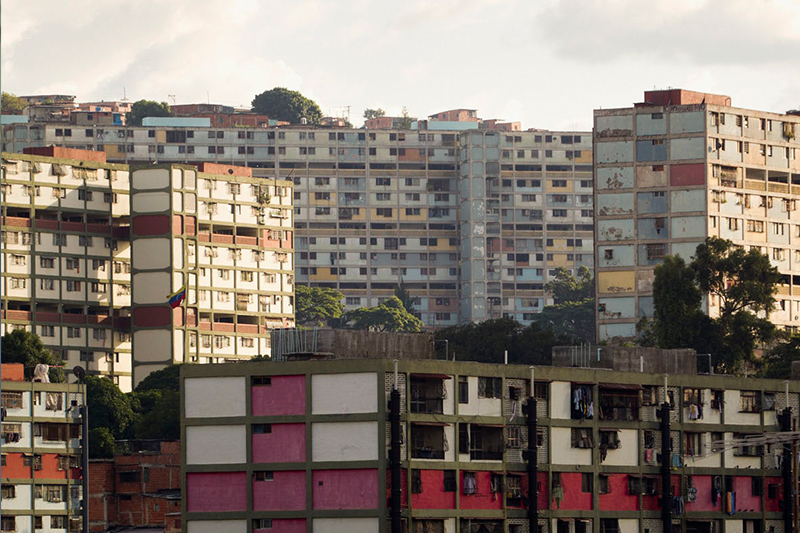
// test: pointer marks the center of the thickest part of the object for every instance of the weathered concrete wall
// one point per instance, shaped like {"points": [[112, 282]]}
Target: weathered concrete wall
{"points": [[355, 344], [624, 359]]}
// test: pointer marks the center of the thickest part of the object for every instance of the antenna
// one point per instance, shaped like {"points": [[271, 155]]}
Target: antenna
{"points": [[173, 98], [124, 95]]}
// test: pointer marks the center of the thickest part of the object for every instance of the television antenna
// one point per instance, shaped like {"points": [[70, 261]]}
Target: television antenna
{"points": [[171, 96]]}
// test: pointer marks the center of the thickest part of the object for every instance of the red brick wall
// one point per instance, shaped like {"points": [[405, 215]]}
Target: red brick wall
{"points": [[67, 153], [114, 503], [216, 168]]}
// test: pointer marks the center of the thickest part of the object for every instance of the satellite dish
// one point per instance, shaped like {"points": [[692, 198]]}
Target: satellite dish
{"points": [[79, 372]]}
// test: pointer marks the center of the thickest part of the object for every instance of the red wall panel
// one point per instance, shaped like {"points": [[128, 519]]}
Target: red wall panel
{"points": [[433, 495], [483, 498]]}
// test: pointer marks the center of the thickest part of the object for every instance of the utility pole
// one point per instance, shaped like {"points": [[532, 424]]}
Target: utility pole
{"points": [[785, 421], [533, 462], [666, 459], [394, 456]]}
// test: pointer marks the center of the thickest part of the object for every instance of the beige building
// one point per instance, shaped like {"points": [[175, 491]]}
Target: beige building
{"points": [[474, 222], [681, 167], [91, 251]]}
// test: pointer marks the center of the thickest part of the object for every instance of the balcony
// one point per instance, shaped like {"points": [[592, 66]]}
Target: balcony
{"points": [[427, 393], [428, 440]]}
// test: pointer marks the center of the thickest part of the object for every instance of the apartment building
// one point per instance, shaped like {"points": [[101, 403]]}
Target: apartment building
{"points": [[226, 239], [92, 251], [139, 487], [377, 207], [42, 454], [66, 256], [303, 446], [678, 168]]}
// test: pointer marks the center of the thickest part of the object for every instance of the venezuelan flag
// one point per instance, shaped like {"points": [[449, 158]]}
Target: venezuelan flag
{"points": [[176, 297]]}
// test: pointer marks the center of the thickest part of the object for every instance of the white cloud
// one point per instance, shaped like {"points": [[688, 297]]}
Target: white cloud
{"points": [[547, 63]]}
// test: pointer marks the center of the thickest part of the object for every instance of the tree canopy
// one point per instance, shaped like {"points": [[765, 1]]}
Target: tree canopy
{"points": [[390, 315], [405, 120], [374, 113], [21, 346], [568, 288], [166, 378], [778, 360], [317, 305], [291, 106], [147, 108], [488, 340], [12, 104], [108, 406], [739, 284], [572, 315], [404, 295]]}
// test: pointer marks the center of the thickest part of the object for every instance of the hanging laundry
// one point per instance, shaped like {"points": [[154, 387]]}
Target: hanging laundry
{"points": [[558, 495]]}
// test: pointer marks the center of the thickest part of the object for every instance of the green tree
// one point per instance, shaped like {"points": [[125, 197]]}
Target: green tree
{"points": [[405, 120], [108, 406], [741, 284], [374, 113], [147, 108], [317, 305], [404, 295], [390, 315], [166, 378], [21, 346], [778, 360], [291, 106], [572, 320], [12, 104], [159, 416], [487, 342], [101, 443], [572, 315], [568, 288], [678, 320]]}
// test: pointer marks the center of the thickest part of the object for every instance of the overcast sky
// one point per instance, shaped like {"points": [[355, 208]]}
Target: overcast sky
{"points": [[546, 63]]}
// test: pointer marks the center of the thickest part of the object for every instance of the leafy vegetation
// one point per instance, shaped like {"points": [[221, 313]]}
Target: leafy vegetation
{"points": [[571, 317], [291, 106], [405, 120], [487, 341], [317, 306], [741, 284], [147, 108], [374, 113], [404, 295], [12, 104], [390, 315], [21, 346]]}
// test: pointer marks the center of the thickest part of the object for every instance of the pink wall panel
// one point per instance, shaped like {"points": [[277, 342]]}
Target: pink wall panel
{"points": [[483, 498], [285, 444], [690, 174], [703, 500], [433, 495], [745, 501], [216, 491], [773, 505], [285, 492], [618, 499], [297, 525], [150, 224], [345, 489], [285, 396]]}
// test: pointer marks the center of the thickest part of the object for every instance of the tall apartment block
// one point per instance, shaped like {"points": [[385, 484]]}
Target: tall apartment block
{"points": [[678, 168], [224, 237], [66, 256], [91, 251], [474, 223], [302, 446], [42, 454]]}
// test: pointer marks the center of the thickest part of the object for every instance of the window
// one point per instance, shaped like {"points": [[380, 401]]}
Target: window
{"points": [[490, 388], [748, 402], [262, 523], [745, 449], [58, 522], [693, 443], [264, 475], [11, 400], [463, 389], [582, 438], [587, 482]]}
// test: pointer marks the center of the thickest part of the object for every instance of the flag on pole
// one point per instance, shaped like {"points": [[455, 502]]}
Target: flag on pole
{"points": [[176, 297]]}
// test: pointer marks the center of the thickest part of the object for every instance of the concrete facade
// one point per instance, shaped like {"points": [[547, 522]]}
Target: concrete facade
{"points": [[463, 432], [473, 222], [679, 168], [41, 454]]}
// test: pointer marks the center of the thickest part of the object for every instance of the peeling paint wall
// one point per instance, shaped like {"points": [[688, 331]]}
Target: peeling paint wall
{"points": [[614, 178]]}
